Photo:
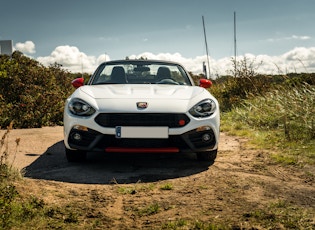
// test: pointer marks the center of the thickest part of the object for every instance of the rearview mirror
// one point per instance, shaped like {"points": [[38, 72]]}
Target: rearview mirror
{"points": [[78, 82], [141, 69], [205, 83]]}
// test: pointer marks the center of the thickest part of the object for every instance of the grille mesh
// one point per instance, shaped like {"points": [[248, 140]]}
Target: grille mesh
{"points": [[143, 119]]}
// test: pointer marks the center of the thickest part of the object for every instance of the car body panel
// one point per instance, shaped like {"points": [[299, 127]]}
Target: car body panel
{"points": [[165, 100], [138, 91]]}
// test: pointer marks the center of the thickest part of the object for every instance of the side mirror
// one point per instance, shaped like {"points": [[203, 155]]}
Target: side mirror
{"points": [[78, 82], [205, 83]]}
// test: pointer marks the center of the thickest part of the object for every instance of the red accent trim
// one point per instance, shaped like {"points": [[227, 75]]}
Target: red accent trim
{"points": [[142, 150], [182, 122]]}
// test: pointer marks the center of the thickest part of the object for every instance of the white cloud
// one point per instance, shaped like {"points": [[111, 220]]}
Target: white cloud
{"points": [[26, 47], [300, 37], [71, 59], [300, 53], [292, 37], [299, 59]]}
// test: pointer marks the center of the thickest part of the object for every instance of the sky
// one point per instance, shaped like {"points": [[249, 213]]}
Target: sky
{"points": [[276, 36]]}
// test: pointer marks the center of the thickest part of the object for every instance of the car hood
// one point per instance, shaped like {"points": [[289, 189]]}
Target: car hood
{"points": [[121, 91]]}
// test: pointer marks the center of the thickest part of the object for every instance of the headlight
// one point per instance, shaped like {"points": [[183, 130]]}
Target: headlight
{"points": [[80, 108], [204, 108]]}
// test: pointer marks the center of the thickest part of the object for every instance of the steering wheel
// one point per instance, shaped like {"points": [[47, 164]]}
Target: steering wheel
{"points": [[167, 81]]}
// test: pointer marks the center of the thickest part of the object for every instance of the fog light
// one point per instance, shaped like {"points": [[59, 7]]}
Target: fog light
{"points": [[206, 137], [77, 136]]}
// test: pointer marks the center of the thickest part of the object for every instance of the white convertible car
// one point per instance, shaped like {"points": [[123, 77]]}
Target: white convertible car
{"points": [[141, 106]]}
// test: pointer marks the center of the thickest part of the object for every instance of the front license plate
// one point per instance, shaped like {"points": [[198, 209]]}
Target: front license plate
{"points": [[141, 132]]}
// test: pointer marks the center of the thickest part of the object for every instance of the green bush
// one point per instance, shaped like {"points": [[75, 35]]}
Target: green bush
{"points": [[31, 95], [233, 90]]}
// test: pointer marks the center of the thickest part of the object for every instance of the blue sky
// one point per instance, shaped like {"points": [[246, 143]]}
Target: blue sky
{"points": [[76, 33]]}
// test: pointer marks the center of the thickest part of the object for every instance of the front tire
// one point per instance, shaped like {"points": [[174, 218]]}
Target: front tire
{"points": [[75, 155], [209, 156]]}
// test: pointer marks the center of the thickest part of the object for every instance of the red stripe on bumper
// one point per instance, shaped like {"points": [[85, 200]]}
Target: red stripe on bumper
{"points": [[141, 150]]}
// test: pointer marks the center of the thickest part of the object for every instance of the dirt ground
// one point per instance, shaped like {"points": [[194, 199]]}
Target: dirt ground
{"points": [[243, 189]]}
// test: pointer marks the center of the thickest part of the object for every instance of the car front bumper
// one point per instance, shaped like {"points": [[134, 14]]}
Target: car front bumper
{"points": [[196, 136]]}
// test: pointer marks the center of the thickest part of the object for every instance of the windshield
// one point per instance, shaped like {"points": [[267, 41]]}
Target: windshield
{"points": [[140, 73]]}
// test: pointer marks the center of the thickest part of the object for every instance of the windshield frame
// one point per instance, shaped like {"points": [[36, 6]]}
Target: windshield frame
{"points": [[141, 72]]}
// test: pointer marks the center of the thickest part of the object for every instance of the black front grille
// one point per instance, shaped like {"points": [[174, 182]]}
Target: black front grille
{"points": [[171, 120]]}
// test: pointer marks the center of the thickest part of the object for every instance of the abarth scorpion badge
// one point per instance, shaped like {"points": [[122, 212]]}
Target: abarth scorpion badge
{"points": [[142, 105]]}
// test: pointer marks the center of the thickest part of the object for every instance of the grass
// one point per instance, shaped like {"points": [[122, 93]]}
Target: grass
{"points": [[282, 121], [166, 186], [280, 214], [138, 187], [197, 225], [175, 224], [148, 210], [283, 151]]}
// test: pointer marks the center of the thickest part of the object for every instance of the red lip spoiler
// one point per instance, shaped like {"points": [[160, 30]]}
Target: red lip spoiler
{"points": [[141, 150]]}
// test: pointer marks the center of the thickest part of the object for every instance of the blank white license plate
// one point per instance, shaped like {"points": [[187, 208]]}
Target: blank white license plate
{"points": [[141, 132]]}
